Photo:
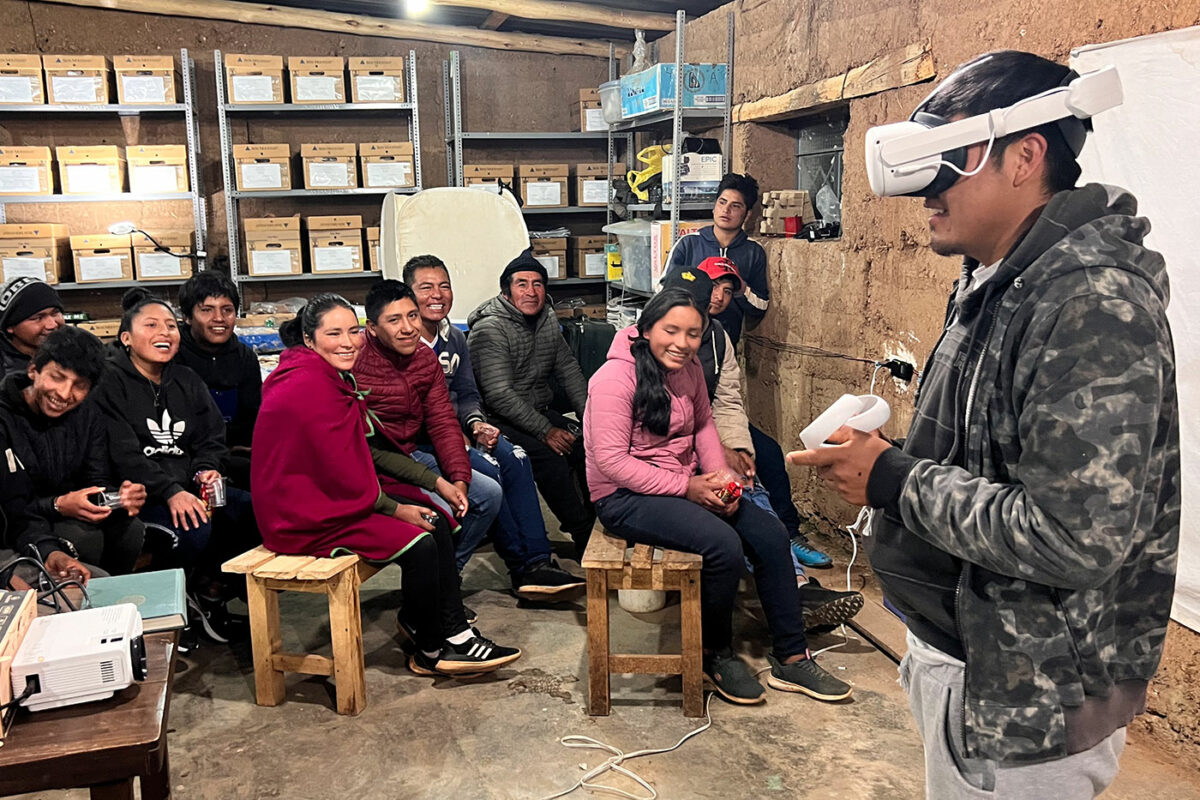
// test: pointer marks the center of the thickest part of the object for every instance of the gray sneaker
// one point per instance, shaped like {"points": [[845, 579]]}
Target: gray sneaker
{"points": [[732, 679], [806, 677]]}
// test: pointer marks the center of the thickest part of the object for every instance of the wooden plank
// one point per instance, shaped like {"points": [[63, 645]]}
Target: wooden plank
{"points": [[901, 67], [325, 568], [604, 551], [282, 567], [265, 641], [883, 628], [494, 21], [355, 24], [582, 13], [678, 560], [248, 560], [645, 664], [345, 628], [292, 585], [304, 664], [367, 570], [643, 556], [691, 655], [598, 642]]}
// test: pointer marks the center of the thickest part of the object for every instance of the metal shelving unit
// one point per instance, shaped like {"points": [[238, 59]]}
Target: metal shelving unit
{"points": [[409, 111], [187, 71]]}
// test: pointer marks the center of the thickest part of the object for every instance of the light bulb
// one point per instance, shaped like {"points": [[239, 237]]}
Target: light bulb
{"points": [[415, 8]]}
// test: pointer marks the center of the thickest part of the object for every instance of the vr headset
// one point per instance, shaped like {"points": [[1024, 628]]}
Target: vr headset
{"points": [[926, 155]]}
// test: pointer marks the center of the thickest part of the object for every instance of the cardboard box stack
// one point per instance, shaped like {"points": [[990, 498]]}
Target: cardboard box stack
{"points": [[785, 212], [552, 253], [21, 80], [543, 185], [374, 256], [26, 170], [102, 257], [330, 166], [76, 80], [91, 170], [387, 164], [591, 183], [587, 259], [335, 244], [317, 79], [158, 169], [660, 243], [262, 167], [253, 80], [487, 176], [145, 80], [586, 114], [377, 79], [34, 250], [700, 177], [273, 246], [152, 264]]}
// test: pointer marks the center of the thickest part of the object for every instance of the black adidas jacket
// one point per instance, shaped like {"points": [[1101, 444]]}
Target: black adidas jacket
{"points": [[234, 380], [163, 435]]}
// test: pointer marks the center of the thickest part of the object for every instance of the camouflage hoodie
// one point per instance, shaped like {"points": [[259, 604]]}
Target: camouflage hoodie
{"points": [[1059, 502]]}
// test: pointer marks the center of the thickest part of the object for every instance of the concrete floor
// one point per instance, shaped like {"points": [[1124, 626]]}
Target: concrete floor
{"points": [[497, 737]]}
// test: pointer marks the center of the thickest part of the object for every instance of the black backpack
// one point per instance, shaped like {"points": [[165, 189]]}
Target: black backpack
{"points": [[589, 340]]}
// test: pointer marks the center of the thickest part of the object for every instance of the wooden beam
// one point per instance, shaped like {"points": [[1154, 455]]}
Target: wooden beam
{"points": [[902, 67], [355, 24], [494, 21], [571, 12]]}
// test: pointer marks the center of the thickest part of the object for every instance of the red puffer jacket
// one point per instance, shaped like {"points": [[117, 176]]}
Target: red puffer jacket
{"points": [[409, 397]]}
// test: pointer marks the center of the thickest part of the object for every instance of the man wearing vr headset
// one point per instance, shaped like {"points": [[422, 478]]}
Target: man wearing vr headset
{"points": [[1028, 525]]}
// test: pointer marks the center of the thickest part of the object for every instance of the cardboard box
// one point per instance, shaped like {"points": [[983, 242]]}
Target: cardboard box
{"points": [[102, 257], [586, 114], [103, 328], [377, 79], [253, 80], [76, 80], [487, 176], [543, 185], [374, 256], [330, 166], [273, 246], [264, 320], [343, 222], [552, 253], [700, 177], [587, 258], [591, 183], [151, 264], [262, 167], [161, 169], [91, 170], [26, 170], [36, 250], [660, 243], [593, 310], [145, 80], [335, 244], [21, 80], [387, 164], [319, 79], [704, 86]]}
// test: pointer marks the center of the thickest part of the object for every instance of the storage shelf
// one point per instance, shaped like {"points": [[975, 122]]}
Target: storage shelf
{"points": [[244, 195], [502, 136], [66, 287], [124, 197], [574, 282], [659, 118], [617, 286], [694, 206], [284, 108], [565, 210], [108, 108], [313, 276]]}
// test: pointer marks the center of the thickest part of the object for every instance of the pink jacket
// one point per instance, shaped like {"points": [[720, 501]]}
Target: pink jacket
{"points": [[621, 454]]}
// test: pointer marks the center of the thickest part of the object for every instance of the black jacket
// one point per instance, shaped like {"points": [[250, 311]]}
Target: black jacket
{"points": [[11, 359], [233, 378], [160, 436], [43, 458]]}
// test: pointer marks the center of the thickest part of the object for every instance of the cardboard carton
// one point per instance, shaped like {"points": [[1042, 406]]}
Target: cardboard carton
{"points": [[335, 244], [330, 166], [377, 79], [103, 328], [552, 253], [544, 185], [158, 169], [91, 170], [262, 167], [145, 80], [653, 89], [591, 183], [102, 257], [273, 246], [21, 80], [700, 176], [76, 80], [660, 243], [487, 176], [152, 264], [26, 170], [387, 164], [36, 250], [342, 222], [586, 114], [586, 258], [374, 257], [320, 79], [253, 80]]}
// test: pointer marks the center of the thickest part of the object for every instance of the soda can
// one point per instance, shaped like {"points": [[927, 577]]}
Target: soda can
{"points": [[729, 492], [213, 493]]}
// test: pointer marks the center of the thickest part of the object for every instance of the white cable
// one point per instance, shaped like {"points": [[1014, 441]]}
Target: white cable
{"points": [[878, 366], [864, 515], [618, 758], [982, 161]]}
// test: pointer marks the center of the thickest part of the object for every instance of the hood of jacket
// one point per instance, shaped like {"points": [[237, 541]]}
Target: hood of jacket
{"points": [[709, 237]]}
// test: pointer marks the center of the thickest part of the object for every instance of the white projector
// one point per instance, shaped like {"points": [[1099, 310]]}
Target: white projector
{"points": [[80, 656]]}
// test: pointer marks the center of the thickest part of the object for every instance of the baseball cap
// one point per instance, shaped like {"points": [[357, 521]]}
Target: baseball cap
{"points": [[717, 267]]}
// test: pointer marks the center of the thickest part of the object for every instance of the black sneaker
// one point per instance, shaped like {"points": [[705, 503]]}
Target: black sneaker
{"points": [[732, 679], [477, 654], [806, 677], [826, 608], [545, 581], [210, 617], [472, 617]]}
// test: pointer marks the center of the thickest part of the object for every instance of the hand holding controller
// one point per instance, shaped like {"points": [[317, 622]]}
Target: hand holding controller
{"points": [[864, 413]]}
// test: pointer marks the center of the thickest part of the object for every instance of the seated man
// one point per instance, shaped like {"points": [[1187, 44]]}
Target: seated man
{"points": [[56, 458], [30, 310], [517, 350], [520, 531]]}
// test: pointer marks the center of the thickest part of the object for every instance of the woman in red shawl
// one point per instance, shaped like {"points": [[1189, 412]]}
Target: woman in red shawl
{"points": [[316, 491]]}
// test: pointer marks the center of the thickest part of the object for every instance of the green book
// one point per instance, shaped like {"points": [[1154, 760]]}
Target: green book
{"points": [[157, 595]]}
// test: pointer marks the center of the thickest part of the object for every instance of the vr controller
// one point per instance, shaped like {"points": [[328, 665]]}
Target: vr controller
{"points": [[864, 413]]}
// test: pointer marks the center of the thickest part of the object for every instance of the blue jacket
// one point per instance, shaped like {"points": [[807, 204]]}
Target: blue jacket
{"points": [[751, 262], [451, 348]]}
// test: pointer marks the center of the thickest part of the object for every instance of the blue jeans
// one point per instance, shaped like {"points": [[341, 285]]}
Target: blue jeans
{"points": [[768, 461], [484, 497], [761, 498], [520, 532], [230, 530]]}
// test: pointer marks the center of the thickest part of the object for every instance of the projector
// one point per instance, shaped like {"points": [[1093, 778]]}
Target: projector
{"points": [[80, 656]]}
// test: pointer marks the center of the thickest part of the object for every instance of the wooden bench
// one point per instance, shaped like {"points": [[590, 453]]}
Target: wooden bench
{"points": [[609, 569], [268, 574]]}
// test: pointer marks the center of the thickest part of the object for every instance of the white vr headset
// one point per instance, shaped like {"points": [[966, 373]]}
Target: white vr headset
{"points": [[927, 154]]}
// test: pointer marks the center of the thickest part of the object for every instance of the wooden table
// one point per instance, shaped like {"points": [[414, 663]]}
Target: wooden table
{"points": [[102, 745]]}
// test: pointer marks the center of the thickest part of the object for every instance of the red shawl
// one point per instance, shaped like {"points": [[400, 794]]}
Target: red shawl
{"points": [[312, 478]]}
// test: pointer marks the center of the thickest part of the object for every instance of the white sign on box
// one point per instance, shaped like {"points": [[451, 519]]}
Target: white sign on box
{"points": [[594, 264], [595, 119], [16, 89], [271, 262], [317, 87], [396, 173], [493, 188], [377, 88], [160, 265], [595, 191], [262, 176], [144, 88], [551, 265], [90, 179], [23, 267], [253, 88], [543, 193], [335, 259], [20, 179], [153, 179], [101, 268], [75, 89], [334, 175]]}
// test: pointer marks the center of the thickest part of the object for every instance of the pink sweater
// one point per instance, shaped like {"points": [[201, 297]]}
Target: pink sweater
{"points": [[621, 454]]}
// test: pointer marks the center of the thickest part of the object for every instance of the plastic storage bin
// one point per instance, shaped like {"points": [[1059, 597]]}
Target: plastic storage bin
{"points": [[633, 237], [610, 101]]}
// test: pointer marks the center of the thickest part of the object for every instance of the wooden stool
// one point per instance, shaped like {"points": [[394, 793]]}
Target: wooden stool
{"points": [[268, 574], [647, 568]]}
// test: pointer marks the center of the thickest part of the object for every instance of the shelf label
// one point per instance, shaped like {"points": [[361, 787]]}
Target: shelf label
{"points": [[16, 88], [543, 193], [17, 267], [271, 262], [594, 265], [595, 192], [76, 89], [90, 179], [101, 268], [317, 88], [155, 179], [253, 88], [20, 180], [330, 175], [551, 265], [159, 265], [262, 176], [144, 88], [595, 119], [389, 173], [379, 88], [336, 259]]}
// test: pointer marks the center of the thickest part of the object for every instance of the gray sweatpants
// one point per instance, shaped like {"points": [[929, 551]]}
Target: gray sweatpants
{"points": [[934, 684]]}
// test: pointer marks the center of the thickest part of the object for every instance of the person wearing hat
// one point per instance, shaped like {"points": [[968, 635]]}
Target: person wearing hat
{"points": [[30, 310], [519, 355]]}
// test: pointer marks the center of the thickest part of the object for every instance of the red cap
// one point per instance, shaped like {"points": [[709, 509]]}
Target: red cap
{"points": [[718, 267]]}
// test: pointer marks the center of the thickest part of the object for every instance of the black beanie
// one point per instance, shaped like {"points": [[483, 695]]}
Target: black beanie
{"points": [[692, 281], [522, 263], [24, 297]]}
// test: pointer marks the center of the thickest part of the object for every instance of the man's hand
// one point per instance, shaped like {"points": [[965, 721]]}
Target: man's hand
{"points": [[133, 497], [559, 440], [186, 508], [485, 435], [702, 490], [847, 465], [739, 462], [207, 476], [414, 515], [76, 505], [453, 493], [62, 567]]}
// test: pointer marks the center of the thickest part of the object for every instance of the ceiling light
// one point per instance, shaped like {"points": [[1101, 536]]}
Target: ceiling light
{"points": [[416, 8]]}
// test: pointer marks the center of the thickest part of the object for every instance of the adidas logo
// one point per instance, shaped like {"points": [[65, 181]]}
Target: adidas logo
{"points": [[166, 433], [480, 650]]}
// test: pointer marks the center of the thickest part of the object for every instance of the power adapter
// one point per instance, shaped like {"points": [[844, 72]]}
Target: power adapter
{"points": [[900, 369]]}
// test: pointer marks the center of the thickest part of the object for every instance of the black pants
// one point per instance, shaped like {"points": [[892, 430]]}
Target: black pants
{"points": [[113, 543], [771, 472], [679, 524], [562, 480], [432, 593]]}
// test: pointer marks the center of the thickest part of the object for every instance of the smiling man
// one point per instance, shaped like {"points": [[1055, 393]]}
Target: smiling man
{"points": [[30, 310]]}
